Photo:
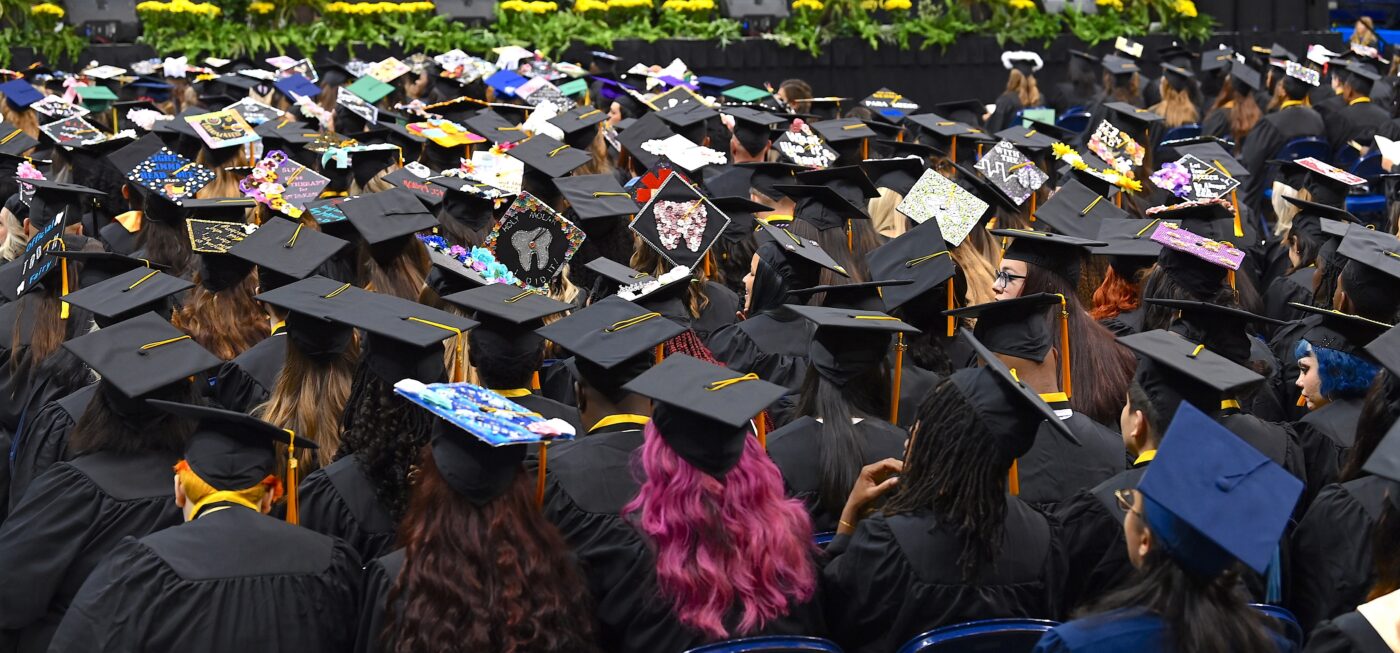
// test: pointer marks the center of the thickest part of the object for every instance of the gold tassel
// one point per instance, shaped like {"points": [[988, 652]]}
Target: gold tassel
{"points": [[850, 238], [952, 304], [535, 381], [539, 475], [761, 431], [293, 512], [1239, 228], [899, 347], [63, 274], [1013, 480], [1302, 400], [1032, 207], [955, 150], [1230, 274], [660, 352], [1064, 348]]}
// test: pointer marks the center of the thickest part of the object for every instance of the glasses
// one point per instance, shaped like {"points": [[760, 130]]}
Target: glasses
{"points": [[1004, 278], [1125, 497]]}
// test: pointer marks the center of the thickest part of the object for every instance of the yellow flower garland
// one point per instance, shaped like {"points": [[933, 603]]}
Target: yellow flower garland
{"points": [[180, 7], [1021, 4], [47, 8], [375, 8], [261, 8], [688, 5], [1185, 8], [814, 5], [530, 7], [1116, 5]]}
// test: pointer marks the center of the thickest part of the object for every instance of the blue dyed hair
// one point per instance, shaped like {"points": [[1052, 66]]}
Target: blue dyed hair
{"points": [[1343, 375]]}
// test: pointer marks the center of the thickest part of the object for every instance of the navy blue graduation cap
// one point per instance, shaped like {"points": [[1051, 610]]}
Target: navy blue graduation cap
{"points": [[1211, 499], [295, 86], [20, 93]]}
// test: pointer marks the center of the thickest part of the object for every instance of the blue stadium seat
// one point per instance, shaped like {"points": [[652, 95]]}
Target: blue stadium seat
{"points": [[999, 635], [1291, 629], [1302, 148], [1346, 157], [1183, 132], [824, 538], [771, 644], [1371, 202], [1075, 120]]}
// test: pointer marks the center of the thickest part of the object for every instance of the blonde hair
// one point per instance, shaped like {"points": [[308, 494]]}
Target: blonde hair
{"points": [[977, 270], [645, 259], [598, 161], [23, 119], [1025, 88], [376, 184], [1176, 107], [225, 183], [308, 398], [197, 489], [883, 216]]}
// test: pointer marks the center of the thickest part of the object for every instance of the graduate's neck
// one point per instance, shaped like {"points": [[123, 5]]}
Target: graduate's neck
{"points": [[1042, 377], [594, 407]]}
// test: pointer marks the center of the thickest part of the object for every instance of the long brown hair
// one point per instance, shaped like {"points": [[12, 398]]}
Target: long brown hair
{"points": [[398, 267], [309, 398], [495, 577], [23, 119], [1244, 111], [1176, 107], [49, 329], [1128, 92], [647, 260], [1024, 87], [227, 322], [598, 161]]}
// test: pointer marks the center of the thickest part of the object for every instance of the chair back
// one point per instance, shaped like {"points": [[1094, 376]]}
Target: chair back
{"points": [[771, 644], [987, 635], [1346, 157], [1075, 120], [823, 538], [1182, 132], [1291, 629], [1302, 148], [1369, 168]]}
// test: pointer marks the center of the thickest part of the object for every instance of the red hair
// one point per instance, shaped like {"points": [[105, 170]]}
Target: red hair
{"points": [[1115, 295]]}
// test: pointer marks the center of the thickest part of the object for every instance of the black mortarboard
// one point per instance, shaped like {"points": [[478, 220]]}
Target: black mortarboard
{"points": [[1340, 331], [768, 175], [1327, 183], [649, 127], [596, 196], [617, 273], [842, 130], [427, 192], [968, 111], [1013, 327], [307, 303], [366, 163], [230, 450], [689, 120], [1056, 253], [753, 127], [798, 248], [849, 182], [142, 354], [822, 207], [679, 222], [848, 342], [612, 340], [491, 126], [1076, 210], [1130, 246], [1245, 76], [1177, 77], [919, 255], [740, 210], [138, 290], [702, 410], [1377, 250], [286, 251], [506, 305], [1361, 73], [1172, 369], [1010, 410], [1222, 329], [449, 275], [898, 175], [386, 215], [13, 140], [580, 125], [403, 335], [549, 156], [1117, 65], [1217, 59], [1213, 153], [862, 296]]}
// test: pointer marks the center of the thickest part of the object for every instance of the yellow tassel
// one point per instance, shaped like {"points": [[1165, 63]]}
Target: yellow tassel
{"points": [[1230, 274], [293, 512], [535, 381], [1032, 207], [660, 352], [1065, 382], [1239, 228], [850, 238], [1013, 480], [898, 377], [539, 475], [761, 431], [1302, 400], [954, 152], [952, 304]]}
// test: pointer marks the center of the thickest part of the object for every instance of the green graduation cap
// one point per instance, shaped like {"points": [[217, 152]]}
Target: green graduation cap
{"points": [[574, 87], [97, 97], [370, 89], [746, 93]]}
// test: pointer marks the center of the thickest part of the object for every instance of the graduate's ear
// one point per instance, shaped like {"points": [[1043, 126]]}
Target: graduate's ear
{"points": [[580, 397], [28, 228], [180, 498], [1145, 543], [265, 506]]}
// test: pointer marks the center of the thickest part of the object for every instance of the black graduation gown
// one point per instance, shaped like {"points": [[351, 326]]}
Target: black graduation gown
{"points": [[380, 575], [70, 519], [1277, 441], [1055, 468], [118, 239], [775, 349], [1283, 344], [719, 313], [1349, 633], [1355, 122], [1125, 323], [898, 576], [1092, 536], [549, 408], [338, 500], [1326, 435], [44, 439], [1294, 287], [1266, 139], [231, 580], [13, 390], [1217, 123], [587, 484], [1332, 565], [1007, 105], [247, 380], [795, 450], [1063, 97]]}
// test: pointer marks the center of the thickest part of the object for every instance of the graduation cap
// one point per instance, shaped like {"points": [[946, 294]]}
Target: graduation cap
{"points": [[232, 451], [494, 127], [702, 410], [308, 303], [96, 98], [649, 127], [1012, 174], [20, 93], [849, 342], [753, 127], [579, 125], [864, 295], [968, 111], [898, 175], [596, 196], [157, 170], [1130, 246], [821, 206], [13, 140], [1177, 77], [618, 274], [138, 290], [1076, 210], [1211, 498], [1246, 76], [798, 249], [1362, 75], [767, 176], [1034, 140], [1010, 410], [689, 120], [1317, 221], [449, 275], [1327, 183], [1384, 461], [1343, 332], [404, 336], [1172, 370], [549, 156], [803, 147], [679, 222], [1056, 253], [142, 354], [1217, 59], [366, 161], [612, 340], [297, 86], [534, 241], [1016, 327], [746, 94], [1376, 250], [921, 256], [430, 194], [890, 104], [935, 197], [1198, 264], [1222, 329], [505, 306], [842, 130], [286, 251], [389, 214], [1117, 65]]}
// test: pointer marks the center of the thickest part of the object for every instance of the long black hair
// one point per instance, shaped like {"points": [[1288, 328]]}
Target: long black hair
{"points": [[1201, 613], [841, 447], [119, 424], [955, 468], [1379, 411], [385, 433]]}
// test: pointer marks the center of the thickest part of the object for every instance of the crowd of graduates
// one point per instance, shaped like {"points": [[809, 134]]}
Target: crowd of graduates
{"points": [[443, 353]]}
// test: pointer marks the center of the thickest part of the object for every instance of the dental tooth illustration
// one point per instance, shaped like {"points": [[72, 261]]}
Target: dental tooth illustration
{"points": [[533, 248]]}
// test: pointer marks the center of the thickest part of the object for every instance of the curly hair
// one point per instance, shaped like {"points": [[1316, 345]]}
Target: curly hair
{"points": [[227, 322], [384, 432], [722, 547], [1344, 376], [1115, 295], [496, 577], [955, 469]]}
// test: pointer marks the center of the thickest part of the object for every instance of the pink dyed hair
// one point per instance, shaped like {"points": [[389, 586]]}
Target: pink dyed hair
{"points": [[718, 542]]}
